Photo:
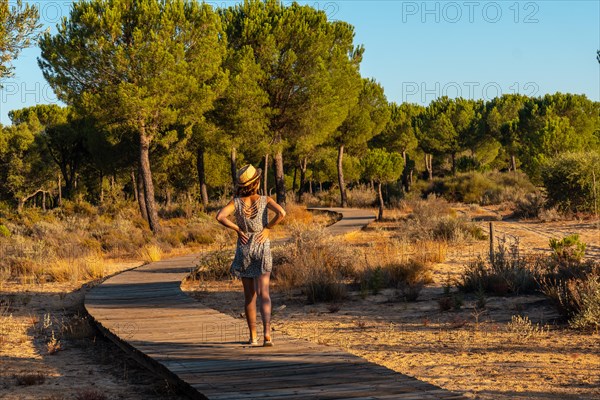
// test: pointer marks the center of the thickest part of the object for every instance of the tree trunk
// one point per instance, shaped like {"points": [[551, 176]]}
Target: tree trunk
{"points": [[265, 176], [59, 191], [101, 187], [513, 162], [453, 163], [380, 194], [303, 166], [279, 178], [133, 185], [294, 180], [44, 201], [23, 200], [147, 178], [140, 195], [340, 168], [69, 180], [112, 187], [233, 166], [202, 176], [429, 165], [310, 186]]}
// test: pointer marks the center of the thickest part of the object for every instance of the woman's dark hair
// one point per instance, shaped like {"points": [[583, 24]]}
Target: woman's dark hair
{"points": [[249, 190]]}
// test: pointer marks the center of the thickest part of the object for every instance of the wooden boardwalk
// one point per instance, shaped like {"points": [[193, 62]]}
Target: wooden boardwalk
{"points": [[204, 353]]}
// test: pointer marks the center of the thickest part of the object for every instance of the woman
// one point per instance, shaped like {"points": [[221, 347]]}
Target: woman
{"points": [[252, 260]]}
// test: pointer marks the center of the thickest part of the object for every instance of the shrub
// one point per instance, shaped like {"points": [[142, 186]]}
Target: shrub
{"points": [[325, 287], [30, 379], [314, 263], [361, 196], [213, 265], [150, 253], [373, 280], [433, 207], [587, 317], [571, 282], [80, 208], [451, 229], [523, 328], [90, 394], [571, 181], [568, 250], [407, 277], [450, 300], [411, 272], [529, 206], [507, 273]]}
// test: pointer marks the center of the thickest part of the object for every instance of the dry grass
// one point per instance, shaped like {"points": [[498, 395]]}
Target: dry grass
{"points": [[150, 253], [53, 345], [75, 243], [30, 379], [90, 394], [314, 262]]}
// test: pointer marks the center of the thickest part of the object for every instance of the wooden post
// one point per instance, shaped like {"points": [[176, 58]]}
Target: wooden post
{"points": [[491, 242], [595, 194]]}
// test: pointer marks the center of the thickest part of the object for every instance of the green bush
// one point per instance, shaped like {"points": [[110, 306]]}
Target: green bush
{"points": [[568, 250], [4, 231], [588, 315], [569, 181], [481, 188], [213, 265], [570, 281], [450, 300]]}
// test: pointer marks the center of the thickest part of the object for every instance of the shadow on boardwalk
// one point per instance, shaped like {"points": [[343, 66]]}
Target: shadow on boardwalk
{"points": [[203, 351]]}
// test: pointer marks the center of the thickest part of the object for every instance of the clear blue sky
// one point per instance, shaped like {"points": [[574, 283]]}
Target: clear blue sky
{"points": [[420, 50]]}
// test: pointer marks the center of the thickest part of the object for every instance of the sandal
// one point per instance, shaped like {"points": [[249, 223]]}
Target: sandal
{"points": [[253, 342], [268, 343]]}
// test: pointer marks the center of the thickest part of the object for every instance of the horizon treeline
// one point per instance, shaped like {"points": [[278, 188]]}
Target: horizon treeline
{"points": [[166, 99]]}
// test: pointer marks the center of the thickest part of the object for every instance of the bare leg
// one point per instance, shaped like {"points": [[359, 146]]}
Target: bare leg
{"points": [[250, 305], [262, 289]]}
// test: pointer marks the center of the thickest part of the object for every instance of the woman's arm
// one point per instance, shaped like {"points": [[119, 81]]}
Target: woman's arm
{"points": [[279, 215], [223, 220]]}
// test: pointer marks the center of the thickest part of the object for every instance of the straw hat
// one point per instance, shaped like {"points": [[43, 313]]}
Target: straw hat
{"points": [[247, 175]]}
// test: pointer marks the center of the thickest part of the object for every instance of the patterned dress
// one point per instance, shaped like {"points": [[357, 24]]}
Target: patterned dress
{"points": [[252, 259]]}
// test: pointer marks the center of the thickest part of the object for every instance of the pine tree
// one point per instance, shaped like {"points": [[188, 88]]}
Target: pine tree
{"points": [[310, 67], [366, 119], [142, 64]]}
